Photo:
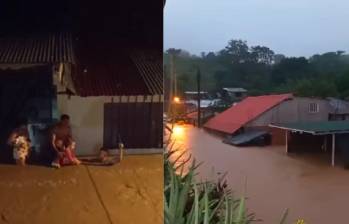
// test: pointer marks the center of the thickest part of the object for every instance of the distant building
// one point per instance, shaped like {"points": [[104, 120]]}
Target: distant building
{"points": [[191, 97], [234, 94], [261, 111]]}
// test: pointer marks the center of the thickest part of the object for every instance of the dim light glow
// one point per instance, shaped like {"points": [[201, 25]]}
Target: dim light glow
{"points": [[176, 99]]}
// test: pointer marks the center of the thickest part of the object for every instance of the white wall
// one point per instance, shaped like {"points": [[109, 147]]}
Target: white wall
{"points": [[87, 117]]}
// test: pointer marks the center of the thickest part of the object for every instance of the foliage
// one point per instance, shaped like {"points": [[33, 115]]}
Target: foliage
{"points": [[261, 71]]}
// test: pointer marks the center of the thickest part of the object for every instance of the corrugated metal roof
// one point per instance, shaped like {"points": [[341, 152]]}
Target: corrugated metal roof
{"points": [[316, 128], [235, 90], [37, 49], [339, 106], [149, 66], [245, 138], [121, 73], [247, 110], [195, 92]]}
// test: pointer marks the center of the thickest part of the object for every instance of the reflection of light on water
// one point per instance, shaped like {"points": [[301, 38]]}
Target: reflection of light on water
{"points": [[178, 131], [179, 144], [179, 134]]}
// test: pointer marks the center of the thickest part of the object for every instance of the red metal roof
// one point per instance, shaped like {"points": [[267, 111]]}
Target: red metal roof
{"points": [[247, 110]]}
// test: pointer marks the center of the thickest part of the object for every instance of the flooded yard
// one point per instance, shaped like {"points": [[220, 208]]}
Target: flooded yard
{"points": [[304, 183], [128, 192]]}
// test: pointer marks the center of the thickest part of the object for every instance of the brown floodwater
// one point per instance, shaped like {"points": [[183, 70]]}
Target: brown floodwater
{"points": [[306, 184]]}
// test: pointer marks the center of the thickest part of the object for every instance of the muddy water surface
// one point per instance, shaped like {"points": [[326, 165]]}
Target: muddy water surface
{"points": [[306, 184]]}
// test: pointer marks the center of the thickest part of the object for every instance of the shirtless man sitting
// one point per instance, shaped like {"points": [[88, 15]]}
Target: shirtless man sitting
{"points": [[63, 144]]}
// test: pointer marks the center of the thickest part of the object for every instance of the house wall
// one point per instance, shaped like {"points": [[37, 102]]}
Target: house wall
{"points": [[237, 96], [307, 142], [294, 110], [87, 118], [86, 115]]}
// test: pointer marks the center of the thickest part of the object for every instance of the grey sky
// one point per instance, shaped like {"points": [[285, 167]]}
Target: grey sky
{"points": [[291, 27]]}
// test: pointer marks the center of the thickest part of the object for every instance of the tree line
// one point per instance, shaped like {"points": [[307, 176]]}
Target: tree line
{"points": [[261, 71]]}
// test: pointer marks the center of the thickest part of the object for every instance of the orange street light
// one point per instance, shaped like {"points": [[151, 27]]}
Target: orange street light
{"points": [[176, 99]]}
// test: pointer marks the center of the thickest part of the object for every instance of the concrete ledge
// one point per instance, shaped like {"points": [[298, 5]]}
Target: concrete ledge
{"points": [[139, 151], [148, 151]]}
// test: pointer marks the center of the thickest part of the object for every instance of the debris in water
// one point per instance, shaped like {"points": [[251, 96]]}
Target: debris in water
{"points": [[4, 218]]}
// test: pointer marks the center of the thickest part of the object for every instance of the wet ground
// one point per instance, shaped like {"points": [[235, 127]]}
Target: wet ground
{"points": [[129, 192], [304, 183]]}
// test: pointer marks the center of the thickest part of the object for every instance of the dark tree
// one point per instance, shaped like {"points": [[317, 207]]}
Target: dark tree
{"points": [[261, 54]]}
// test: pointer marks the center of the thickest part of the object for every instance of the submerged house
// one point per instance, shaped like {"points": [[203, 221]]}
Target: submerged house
{"points": [[234, 94], [191, 98], [110, 95], [258, 113]]}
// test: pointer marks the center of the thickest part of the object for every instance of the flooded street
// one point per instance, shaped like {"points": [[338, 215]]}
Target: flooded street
{"points": [[306, 184], [128, 192]]}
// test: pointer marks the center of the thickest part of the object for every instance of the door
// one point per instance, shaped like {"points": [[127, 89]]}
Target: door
{"points": [[136, 125], [24, 94]]}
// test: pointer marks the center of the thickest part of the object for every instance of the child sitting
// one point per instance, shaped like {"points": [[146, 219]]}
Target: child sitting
{"points": [[20, 143], [104, 158], [67, 157], [21, 150], [103, 154]]}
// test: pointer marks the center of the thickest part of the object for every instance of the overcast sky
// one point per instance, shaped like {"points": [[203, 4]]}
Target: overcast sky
{"points": [[290, 27]]}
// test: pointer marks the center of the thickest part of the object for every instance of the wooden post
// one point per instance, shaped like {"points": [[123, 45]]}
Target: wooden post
{"points": [[286, 140], [333, 147], [121, 150]]}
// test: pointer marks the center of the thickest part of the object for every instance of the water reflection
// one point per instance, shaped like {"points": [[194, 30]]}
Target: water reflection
{"points": [[178, 143], [178, 132], [275, 181]]}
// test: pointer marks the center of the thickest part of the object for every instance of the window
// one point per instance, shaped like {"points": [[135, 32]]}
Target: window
{"points": [[313, 108]]}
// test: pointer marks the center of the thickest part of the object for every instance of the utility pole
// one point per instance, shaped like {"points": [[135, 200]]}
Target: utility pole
{"points": [[198, 77], [174, 76], [170, 110]]}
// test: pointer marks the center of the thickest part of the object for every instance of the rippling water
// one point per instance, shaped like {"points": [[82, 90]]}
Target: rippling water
{"points": [[306, 184]]}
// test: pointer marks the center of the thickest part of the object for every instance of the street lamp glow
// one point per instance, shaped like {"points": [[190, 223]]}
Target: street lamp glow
{"points": [[176, 99]]}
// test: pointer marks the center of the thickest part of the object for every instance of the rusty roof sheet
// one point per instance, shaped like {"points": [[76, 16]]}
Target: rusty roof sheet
{"points": [[37, 49], [126, 72], [149, 66]]}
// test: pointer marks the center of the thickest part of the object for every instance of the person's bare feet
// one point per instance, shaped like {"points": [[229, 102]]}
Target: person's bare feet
{"points": [[77, 162]]}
